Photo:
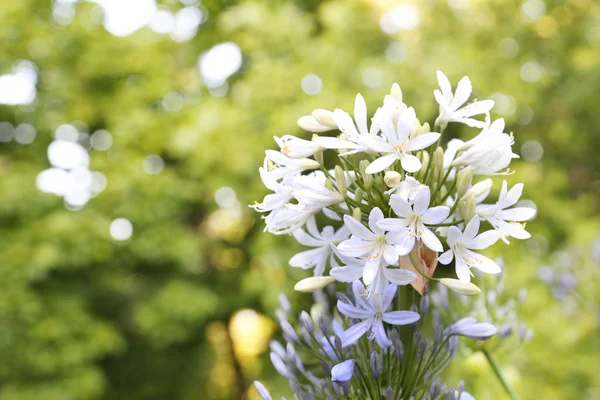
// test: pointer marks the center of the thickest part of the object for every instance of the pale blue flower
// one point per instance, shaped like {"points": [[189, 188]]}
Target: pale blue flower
{"points": [[373, 312], [469, 327]]}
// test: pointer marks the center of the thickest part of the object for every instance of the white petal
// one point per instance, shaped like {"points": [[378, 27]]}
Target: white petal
{"points": [[404, 243], [382, 163], [370, 270], [388, 296], [483, 241], [309, 123], [430, 240], [435, 215], [444, 85], [306, 239], [422, 141], [400, 317], [471, 230], [374, 217], [401, 206], [512, 196], [360, 113], [462, 270], [383, 120], [358, 229], [409, 162], [375, 143], [355, 247], [486, 265], [475, 108], [399, 276], [518, 214], [392, 224], [389, 255], [309, 258], [346, 274], [463, 91], [446, 257], [422, 200], [453, 235]]}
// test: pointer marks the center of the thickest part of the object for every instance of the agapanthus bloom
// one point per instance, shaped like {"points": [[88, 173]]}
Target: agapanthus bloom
{"points": [[373, 312]]}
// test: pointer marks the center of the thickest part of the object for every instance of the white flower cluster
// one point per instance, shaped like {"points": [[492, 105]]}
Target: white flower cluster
{"points": [[392, 189]]}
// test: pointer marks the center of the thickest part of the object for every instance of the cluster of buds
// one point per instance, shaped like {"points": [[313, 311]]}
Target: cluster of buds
{"points": [[379, 204]]}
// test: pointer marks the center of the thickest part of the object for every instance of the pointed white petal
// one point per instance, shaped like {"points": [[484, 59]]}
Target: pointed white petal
{"points": [[360, 113], [463, 91], [435, 215], [422, 200], [422, 141], [430, 240], [382, 163], [346, 274], [410, 163], [399, 276], [471, 230], [483, 241], [401, 206], [400, 317], [358, 229], [446, 257], [518, 214]]}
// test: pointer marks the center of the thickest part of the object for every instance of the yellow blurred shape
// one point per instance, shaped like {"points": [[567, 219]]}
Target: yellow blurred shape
{"points": [[250, 333], [228, 258], [546, 26]]}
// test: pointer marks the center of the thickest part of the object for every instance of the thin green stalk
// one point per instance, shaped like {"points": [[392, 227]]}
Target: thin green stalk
{"points": [[507, 388]]}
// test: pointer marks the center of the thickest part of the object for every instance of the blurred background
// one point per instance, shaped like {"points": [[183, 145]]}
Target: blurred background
{"points": [[131, 266]]}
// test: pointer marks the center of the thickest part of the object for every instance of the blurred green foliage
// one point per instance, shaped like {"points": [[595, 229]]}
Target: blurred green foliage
{"points": [[85, 317]]}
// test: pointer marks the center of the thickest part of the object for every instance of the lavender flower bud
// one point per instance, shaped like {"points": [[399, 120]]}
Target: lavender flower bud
{"points": [[262, 391], [278, 349], [435, 389], [452, 344], [288, 332], [323, 324], [439, 334], [461, 388], [505, 331], [399, 347], [280, 315], [389, 393], [342, 372], [424, 305], [307, 322], [284, 303], [375, 362], [338, 344], [280, 366], [469, 327], [343, 298]]}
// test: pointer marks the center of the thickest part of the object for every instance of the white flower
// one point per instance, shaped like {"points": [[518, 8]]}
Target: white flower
{"points": [[461, 246], [396, 142], [310, 191], [410, 225], [279, 165], [351, 129], [393, 104], [450, 104], [294, 147], [321, 241], [407, 189], [377, 247], [274, 201], [506, 219], [489, 152]]}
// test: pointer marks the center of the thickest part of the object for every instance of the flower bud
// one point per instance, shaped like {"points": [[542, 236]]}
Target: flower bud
{"points": [[342, 372], [313, 283], [358, 195], [466, 207], [396, 92], [437, 159], [329, 184], [310, 124], [367, 178], [356, 214], [307, 322], [375, 363], [324, 118], [466, 288], [262, 391], [424, 305], [463, 181], [323, 323], [424, 166], [426, 128], [340, 180], [284, 303], [392, 178]]}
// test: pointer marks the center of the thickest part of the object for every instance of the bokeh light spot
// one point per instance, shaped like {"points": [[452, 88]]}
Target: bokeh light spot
{"points": [[121, 229], [311, 84]]}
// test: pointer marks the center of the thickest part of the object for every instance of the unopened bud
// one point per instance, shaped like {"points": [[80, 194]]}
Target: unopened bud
{"points": [[466, 207], [310, 124], [426, 128], [424, 305], [313, 283], [324, 118], [307, 322], [328, 184], [356, 213], [392, 179], [358, 195], [396, 92], [323, 324], [367, 178], [424, 165], [463, 181], [480, 190], [462, 287], [437, 161], [340, 180], [375, 363]]}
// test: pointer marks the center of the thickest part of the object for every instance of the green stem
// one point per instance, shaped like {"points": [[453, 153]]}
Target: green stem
{"points": [[509, 390]]}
